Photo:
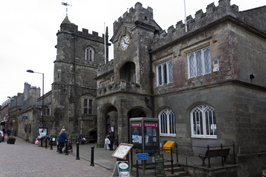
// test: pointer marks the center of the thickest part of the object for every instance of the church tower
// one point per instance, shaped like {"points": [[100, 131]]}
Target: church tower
{"points": [[74, 88]]}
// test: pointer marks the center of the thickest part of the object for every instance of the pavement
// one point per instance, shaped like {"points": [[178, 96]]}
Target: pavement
{"points": [[24, 159]]}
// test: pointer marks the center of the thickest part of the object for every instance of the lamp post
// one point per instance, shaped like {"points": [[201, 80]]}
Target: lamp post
{"points": [[16, 111], [30, 71]]}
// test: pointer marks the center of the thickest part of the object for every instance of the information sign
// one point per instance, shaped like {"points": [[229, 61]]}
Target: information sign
{"points": [[143, 156], [122, 150], [159, 166]]}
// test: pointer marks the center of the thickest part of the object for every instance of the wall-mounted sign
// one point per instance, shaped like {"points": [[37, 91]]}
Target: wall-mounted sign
{"points": [[25, 117]]}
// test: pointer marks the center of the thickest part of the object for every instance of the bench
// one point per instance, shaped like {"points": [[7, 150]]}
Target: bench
{"points": [[88, 139], [215, 153]]}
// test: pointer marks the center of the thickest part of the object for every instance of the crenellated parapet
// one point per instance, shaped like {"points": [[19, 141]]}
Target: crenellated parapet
{"points": [[212, 14], [105, 68], [135, 14], [70, 28]]}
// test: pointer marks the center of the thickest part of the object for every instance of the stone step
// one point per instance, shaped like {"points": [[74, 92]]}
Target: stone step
{"points": [[180, 173]]}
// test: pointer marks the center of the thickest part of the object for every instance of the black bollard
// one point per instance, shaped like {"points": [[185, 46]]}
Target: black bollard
{"points": [[57, 145], [45, 142], [77, 145], [66, 149], [137, 165], [92, 156], [51, 143]]}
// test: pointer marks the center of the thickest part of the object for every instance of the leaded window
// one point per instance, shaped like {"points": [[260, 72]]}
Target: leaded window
{"points": [[164, 73], [199, 62], [167, 123], [203, 122]]}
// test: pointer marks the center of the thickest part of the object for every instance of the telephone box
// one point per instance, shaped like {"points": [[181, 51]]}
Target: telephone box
{"points": [[144, 134]]}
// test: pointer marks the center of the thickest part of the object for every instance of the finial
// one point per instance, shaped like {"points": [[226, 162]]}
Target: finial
{"points": [[66, 4]]}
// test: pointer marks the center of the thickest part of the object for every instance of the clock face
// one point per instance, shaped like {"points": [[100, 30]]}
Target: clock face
{"points": [[124, 42]]}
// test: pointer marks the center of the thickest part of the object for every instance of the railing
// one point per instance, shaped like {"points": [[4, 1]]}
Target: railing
{"points": [[144, 163], [193, 164], [207, 149]]}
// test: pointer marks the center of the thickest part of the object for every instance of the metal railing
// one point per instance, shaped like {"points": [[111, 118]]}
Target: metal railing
{"points": [[208, 148]]}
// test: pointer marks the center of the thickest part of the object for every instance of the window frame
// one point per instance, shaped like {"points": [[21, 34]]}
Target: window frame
{"points": [[161, 70], [195, 63], [167, 112], [89, 54], [203, 109], [88, 107]]}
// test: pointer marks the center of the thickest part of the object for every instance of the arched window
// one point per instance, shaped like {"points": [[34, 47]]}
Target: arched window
{"points": [[167, 123], [89, 54], [203, 122]]}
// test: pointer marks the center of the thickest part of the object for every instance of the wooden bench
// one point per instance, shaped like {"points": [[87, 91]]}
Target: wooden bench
{"points": [[215, 153], [88, 139]]}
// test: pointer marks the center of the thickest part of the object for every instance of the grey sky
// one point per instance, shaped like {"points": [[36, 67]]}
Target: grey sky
{"points": [[28, 31]]}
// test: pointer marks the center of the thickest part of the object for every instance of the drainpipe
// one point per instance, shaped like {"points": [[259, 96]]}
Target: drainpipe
{"points": [[151, 84]]}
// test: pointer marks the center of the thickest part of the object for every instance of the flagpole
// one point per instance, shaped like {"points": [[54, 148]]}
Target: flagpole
{"points": [[185, 15], [104, 44]]}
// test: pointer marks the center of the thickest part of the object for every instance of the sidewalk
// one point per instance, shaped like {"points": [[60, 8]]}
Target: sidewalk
{"points": [[24, 159], [104, 158]]}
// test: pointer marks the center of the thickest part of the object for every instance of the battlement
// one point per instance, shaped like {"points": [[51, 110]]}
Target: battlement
{"points": [[212, 14], [67, 26], [105, 68], [135, 14]]}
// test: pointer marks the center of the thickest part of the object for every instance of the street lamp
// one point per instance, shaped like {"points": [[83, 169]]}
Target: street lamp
{"points": [[16, 112], [30, 71]]}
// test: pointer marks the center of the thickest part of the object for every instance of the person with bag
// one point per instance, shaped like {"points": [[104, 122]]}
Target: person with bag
{"points": [[111, 137], [61, 140]]}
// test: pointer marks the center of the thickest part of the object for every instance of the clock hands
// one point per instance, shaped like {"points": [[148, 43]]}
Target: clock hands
{"points": [[124, 40]]}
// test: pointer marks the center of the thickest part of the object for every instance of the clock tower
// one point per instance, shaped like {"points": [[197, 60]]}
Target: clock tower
{"points": [[132, 39]]}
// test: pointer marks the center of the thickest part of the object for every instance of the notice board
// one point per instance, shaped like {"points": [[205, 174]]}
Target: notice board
{"points": [[122, 150]]}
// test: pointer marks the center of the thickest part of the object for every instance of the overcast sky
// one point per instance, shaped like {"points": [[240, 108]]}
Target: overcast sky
{"points": [[28, 31]]}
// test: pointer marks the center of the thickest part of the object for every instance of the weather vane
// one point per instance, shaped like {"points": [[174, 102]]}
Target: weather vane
{"points": [[66, 4]]}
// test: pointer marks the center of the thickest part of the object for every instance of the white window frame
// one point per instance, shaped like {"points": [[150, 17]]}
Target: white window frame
{"points": [[88, 107], [203, 109], [89, 54], [205, 69], [169, 73], [167, 113]]}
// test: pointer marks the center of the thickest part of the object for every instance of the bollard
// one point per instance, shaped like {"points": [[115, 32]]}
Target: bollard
{"points": [[77, 145], [57, 145], [172, 166], [45, 142], [92, 156], [51, 143], [66, 149], [137, 165]]}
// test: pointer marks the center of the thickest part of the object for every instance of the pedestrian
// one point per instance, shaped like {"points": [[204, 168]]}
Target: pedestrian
{"points": [[264, 172], [111, 137], [61, 140]]}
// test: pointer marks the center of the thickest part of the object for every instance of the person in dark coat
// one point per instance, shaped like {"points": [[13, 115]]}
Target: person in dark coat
{"points": [[111, 137], [264, 172], [61, 140]]}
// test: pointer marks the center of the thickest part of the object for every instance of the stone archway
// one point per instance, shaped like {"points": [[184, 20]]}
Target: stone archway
{"points": [[107, 118]]}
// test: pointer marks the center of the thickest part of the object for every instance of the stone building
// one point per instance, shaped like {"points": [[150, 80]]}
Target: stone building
{"points": [[204, 80], [17, 107], [73, 103]]}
